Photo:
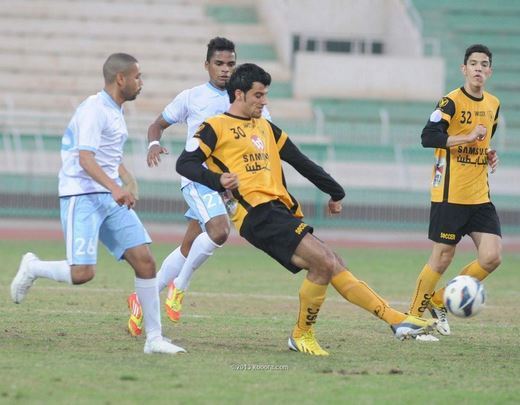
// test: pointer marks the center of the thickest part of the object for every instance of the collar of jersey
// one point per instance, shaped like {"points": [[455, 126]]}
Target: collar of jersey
{"points": [[470, 96], [110, 100], [237, 117], [219, 91]]}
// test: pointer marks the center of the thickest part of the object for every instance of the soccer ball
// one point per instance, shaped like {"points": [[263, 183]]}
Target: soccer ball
{"points": [[464, 296]]}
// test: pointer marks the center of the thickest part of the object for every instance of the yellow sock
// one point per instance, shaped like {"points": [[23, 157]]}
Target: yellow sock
{"points": [[424, 290], [360, 294], [312, 296], [473, 269]]}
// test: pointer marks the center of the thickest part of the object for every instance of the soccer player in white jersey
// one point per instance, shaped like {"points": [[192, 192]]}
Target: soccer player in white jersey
{"points": [[95, 205], [208, 223]]}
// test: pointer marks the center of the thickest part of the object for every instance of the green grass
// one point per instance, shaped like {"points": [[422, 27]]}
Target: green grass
{"points": [[69, 344]]}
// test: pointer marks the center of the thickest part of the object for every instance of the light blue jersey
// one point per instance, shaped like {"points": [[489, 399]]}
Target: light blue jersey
{"points": [[98, 125], [88, 211]]}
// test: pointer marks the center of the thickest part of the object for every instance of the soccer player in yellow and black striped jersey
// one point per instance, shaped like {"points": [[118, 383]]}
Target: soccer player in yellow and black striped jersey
{"points": [[460, 129], [242, 153]]}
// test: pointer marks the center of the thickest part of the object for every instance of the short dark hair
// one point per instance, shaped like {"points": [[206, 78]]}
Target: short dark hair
{"points": [[480, 49], [243, 78], [116, 63], [219, 44]]}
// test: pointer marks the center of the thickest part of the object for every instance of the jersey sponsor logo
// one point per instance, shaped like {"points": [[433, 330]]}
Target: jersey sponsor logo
{"points": [[447, 236], [257, 141], [300, 228], [466, 155]]}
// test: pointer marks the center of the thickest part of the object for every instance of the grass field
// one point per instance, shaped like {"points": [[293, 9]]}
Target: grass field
{"points": [[69, 344]]}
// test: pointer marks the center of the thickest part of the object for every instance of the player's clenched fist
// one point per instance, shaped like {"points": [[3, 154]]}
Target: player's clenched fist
{"points": [[229, 181]]}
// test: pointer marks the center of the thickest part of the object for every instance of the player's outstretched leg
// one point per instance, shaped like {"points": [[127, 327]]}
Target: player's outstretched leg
{"points": [[359, 293]]}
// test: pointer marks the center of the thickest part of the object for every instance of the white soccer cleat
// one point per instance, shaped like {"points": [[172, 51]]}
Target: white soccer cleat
{"points": [[441, 314], [162, 345], [23, 279]]}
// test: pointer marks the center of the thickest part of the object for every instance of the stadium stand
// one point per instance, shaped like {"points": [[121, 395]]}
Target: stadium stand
{"points": [[50, 57]]}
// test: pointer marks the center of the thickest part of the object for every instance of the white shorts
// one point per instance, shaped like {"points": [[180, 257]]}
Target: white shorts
{"points": [[204, 203], [89, 217]]}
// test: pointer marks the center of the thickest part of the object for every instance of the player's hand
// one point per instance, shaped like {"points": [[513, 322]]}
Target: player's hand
{"points": [[123, 197], [229, 181], [154, 155], [478, 133], [493, 160], [335, 207], [130, 184]]}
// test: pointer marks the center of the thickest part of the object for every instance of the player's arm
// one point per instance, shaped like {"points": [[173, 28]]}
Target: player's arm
{"points": [[290, 153], [88, 162], [155, 149], [129, 181], [197, 151], [435, 133]]}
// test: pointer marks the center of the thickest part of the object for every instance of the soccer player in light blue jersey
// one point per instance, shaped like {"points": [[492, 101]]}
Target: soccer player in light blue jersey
{"points": [[208, 222], [96, 206]]}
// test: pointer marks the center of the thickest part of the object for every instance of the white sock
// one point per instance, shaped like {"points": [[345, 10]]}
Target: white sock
{"points": [[201, 249], [57, 271], [149, 298], [170, 268]]}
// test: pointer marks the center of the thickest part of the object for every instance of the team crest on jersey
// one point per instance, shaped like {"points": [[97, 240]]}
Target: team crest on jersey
{"points": [[443, 102], [257, 141]]}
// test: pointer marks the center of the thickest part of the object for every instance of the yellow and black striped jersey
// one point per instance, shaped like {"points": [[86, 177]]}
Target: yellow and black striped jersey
{"points": [[253, 149], [460, 173]]}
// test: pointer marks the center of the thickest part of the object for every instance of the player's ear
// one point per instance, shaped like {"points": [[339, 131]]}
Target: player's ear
{"points": [[206, 65], [120, 78]]}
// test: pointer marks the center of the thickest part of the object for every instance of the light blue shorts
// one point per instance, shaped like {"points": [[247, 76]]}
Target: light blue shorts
{"points": [[204, 203], [87, 218]]}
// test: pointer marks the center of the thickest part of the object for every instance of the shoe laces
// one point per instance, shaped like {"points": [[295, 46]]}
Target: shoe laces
{"points": [[310, 341], [178, 296]]}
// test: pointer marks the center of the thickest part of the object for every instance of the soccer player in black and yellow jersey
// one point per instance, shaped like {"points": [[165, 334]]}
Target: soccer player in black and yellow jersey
{"points": [[460, 129], [243, 155]]}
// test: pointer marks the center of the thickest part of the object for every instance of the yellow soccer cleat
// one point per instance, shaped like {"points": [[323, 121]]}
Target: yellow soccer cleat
{"points": [[413, 326], [307, 343], [135, 322], [173, 303]]}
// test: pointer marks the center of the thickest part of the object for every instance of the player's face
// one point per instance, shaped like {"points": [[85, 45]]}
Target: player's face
{"points": [[131, 83], [255, 100], [220, 67], [477, 70]]}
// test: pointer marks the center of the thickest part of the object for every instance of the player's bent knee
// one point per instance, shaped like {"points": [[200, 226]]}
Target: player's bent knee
{"points": [[492, 261], [219, 235], [82, 274]]}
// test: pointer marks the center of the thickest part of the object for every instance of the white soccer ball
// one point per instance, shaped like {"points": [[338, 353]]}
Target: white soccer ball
{"points": [[464, 296]]}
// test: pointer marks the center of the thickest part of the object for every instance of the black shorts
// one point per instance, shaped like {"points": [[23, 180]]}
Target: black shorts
{"points": [[450, 222], [272, 228]]}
